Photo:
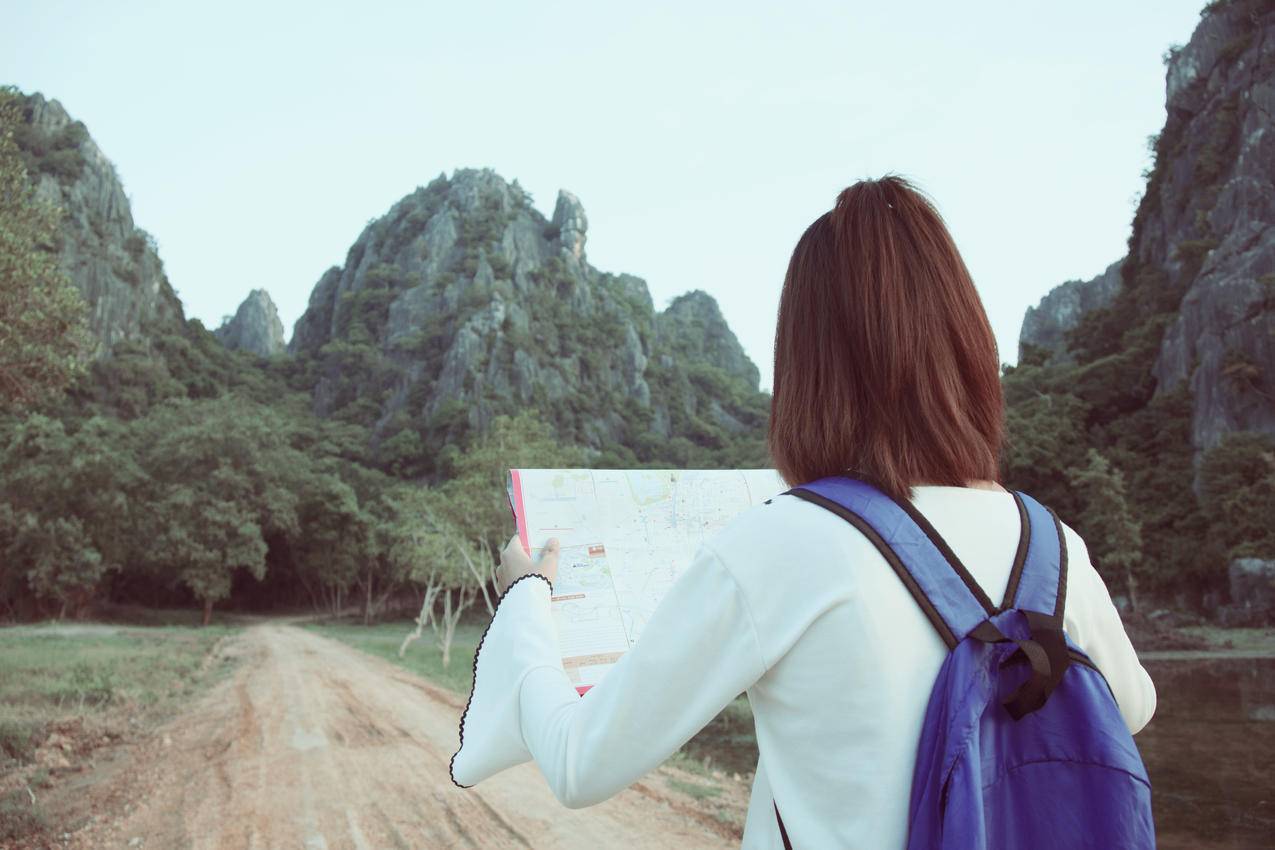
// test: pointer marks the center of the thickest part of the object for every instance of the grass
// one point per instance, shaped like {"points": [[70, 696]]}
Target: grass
{"points": [[94, 679], [729, 741], [423, 657], [695, 790], [20, 816], [1259, 639]]}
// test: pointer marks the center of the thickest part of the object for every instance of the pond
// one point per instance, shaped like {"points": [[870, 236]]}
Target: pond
{"points": [[1210, 752]]}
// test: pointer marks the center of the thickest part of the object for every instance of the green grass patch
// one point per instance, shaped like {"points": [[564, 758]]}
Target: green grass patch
{"points": [[423, 657], [20, 816], [59, 671], [692, 789], [729, 741], [86, 679], [139, 615]]}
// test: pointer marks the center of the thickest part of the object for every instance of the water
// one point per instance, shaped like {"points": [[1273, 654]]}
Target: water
{"points": [[1210, 752]]}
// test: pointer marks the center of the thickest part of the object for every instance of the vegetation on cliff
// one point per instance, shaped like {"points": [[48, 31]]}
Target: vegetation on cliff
{"points": [[1149, 390]]}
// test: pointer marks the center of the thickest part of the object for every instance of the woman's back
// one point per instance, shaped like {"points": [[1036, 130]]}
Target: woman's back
{"points": [[851, 657]]}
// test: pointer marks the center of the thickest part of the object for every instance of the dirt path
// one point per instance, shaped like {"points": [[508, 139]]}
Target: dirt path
{"points": [[311, 744]]}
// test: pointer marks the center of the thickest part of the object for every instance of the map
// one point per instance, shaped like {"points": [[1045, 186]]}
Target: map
{"points": [[625, 536]]}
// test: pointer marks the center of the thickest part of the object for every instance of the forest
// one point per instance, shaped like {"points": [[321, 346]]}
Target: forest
{"points": [[178, 472]]}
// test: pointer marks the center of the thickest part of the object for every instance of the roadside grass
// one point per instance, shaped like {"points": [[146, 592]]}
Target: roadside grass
{"points": [[1251, 639], [692, 789], [729, 742], [423, 657], [69, 687]]}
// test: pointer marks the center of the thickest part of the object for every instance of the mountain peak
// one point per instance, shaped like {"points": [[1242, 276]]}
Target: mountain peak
{"points": [[113, 263], [255, 327], [693, 324], [472, 304], [570, 224]]}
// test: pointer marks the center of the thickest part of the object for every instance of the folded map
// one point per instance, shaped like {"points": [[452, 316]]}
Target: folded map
{"points": [[625, 536]]}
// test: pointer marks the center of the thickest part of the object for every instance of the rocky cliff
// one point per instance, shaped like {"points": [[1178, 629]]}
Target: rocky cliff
{"points": [[464, 302], [113, 262], [255, 327], [1045, 325], [1197, 289], [1215, 227]]}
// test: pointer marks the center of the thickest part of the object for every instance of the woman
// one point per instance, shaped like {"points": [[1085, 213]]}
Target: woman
{"points": [[885, 369]]}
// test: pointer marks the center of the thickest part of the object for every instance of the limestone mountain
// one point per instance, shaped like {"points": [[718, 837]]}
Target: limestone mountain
{"points": [[464, 302], [1213, 229], [1198, 285], [113, 262], [255, 327], [1156, 380], [1045, 326]]}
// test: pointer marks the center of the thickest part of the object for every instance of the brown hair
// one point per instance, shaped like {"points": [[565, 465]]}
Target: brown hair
{"points": [[885, 364]]}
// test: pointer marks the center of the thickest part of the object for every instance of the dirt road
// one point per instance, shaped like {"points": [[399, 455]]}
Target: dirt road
{"points": [[311, 744]]}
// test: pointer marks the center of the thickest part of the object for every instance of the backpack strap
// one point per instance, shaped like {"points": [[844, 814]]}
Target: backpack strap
{"points": [[927, 566], [1039, 591], [1042, 584], [949, 595]]}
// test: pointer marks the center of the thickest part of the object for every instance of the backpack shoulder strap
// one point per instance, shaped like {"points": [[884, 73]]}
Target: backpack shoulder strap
{"points": [[927, 566], [1041, 584]]}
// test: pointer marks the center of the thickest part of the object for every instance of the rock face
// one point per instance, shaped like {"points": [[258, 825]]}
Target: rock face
{"points": [[1204, 235], [1221, 88], [114, 263], [464, 302], [693, 326], [1252, 585], [255, 326], [1045, 325]]}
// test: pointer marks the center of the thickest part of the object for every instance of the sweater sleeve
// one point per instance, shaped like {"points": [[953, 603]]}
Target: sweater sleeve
{"points": [[1094, 624], [696, 654]]}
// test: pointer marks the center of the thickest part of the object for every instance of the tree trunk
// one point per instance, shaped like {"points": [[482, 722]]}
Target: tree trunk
{"points": [[208, 603], [367, 599], [446, 630], [485, 554], [425, 617], [1131, 583]]}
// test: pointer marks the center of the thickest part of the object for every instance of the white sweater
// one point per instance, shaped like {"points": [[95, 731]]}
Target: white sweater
{"points": [[794, 606]]}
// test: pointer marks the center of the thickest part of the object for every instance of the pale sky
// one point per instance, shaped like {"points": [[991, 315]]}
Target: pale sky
{"points": [[256, 140]]}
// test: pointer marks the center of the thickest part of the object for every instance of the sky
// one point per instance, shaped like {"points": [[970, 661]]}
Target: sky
{"points": [[256, 140]]}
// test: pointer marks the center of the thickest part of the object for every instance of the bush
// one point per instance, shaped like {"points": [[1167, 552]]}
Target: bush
{"points": [[56, 153], [20, 817], [19, 739], [136, 245]]}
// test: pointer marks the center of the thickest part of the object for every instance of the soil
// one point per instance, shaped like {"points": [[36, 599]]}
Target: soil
{"points": [[312, 744]]}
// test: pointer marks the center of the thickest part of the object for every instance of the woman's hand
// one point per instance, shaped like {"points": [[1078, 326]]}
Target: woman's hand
{"points": [[515, 563]]}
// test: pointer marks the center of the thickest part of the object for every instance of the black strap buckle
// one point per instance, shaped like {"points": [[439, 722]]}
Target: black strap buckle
{"points": [[1045, 650]]}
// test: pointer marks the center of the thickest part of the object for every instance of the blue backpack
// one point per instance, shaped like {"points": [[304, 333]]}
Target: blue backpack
{"points": [[1023, 745]]}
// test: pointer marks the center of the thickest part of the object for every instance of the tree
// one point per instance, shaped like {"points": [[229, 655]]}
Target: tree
{"points": [[394, 546], [43, 328], [70, 507], [1112, 533], [223, 476], [61, 561], [473, 496], [206, 537], [1237, 492], [448, 566], [332, 543]]}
